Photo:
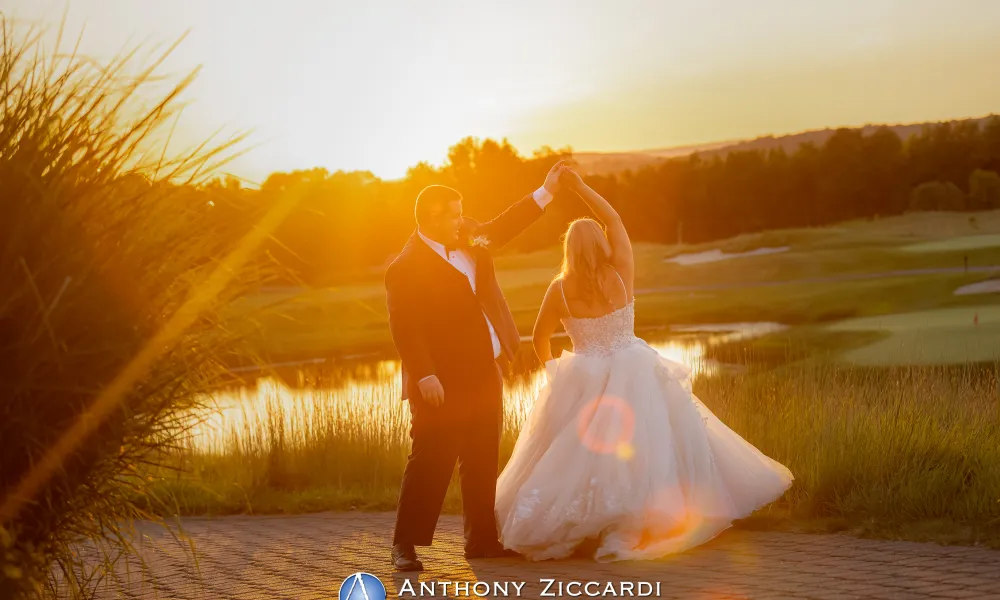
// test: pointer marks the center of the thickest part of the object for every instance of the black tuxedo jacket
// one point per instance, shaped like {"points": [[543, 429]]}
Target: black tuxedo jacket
{"points": [[437, 320]]}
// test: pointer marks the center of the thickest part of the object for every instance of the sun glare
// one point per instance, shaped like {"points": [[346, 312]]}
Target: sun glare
{"points": [[359, 86]]}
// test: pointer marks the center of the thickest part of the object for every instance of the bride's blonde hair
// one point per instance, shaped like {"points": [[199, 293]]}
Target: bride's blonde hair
{"points": [[585, 250]]}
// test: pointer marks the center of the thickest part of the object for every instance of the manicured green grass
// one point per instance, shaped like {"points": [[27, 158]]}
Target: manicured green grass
{"points": [[942, 336], [971, 242], [955, 335], [352, 319], [308, 327], [807, 343]]}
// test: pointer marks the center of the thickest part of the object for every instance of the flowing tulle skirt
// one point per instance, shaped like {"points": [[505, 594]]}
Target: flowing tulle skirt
{"points": [[619, 451]]}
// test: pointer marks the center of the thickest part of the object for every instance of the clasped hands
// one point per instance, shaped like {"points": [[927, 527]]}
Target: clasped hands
{"points": [[562, 175]]}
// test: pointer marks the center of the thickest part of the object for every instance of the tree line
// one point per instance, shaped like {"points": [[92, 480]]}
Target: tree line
{"points": [[347, 222]]}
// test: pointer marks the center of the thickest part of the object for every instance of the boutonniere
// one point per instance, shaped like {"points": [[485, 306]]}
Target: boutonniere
{"points": [[479, 241]]}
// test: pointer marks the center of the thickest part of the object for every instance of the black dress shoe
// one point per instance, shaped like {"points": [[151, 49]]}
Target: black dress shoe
{"points": [[404, 558], [495, 551]]}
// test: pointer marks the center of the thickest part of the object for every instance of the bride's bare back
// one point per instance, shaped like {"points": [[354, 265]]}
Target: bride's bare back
{"points": [[613, 290]]}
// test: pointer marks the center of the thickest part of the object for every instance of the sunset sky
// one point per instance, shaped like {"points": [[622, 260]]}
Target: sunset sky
{"points": [[382, 85]]}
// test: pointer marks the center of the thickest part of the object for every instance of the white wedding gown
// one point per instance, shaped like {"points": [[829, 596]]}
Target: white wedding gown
{"points": [[619, 451]]}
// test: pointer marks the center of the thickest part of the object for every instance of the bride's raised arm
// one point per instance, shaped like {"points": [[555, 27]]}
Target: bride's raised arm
{"points": [[621, 247]]}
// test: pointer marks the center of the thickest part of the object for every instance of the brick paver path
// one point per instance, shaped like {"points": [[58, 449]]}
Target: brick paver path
{"points": [[308, 556]]}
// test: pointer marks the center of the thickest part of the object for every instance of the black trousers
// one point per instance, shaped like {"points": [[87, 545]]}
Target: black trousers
{"points": [[466, 429]]}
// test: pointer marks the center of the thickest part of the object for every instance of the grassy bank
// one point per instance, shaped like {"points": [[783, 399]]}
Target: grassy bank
{"points": [[911, 452]]}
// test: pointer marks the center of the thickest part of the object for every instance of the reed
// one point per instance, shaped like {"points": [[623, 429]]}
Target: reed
{"points": [[881, 450]]}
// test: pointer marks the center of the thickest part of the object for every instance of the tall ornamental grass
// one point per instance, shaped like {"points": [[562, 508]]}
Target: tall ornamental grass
{"points": [[902, 451], [111, 271]]}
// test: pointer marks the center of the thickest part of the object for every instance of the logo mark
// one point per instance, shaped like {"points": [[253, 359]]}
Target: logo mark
{"points": [[362, 586]]}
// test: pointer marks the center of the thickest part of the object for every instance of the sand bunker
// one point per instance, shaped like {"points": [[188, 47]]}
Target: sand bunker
{"points": [[717, 255], [991, 286]]}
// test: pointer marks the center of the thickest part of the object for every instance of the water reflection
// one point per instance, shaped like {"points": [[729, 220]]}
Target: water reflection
{"points": [[365, 394]]}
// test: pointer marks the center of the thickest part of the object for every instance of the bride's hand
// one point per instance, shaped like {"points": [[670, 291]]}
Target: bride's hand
{"points": [[570, 178]]}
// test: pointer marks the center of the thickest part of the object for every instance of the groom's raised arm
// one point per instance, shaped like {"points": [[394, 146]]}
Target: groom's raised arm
{"points": [[404, 324], [508, 224]]}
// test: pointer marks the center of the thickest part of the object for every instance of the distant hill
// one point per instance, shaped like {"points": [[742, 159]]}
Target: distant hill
{"points": [[603, 163]]}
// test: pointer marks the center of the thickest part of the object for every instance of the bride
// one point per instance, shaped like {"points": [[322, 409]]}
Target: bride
{"points": [[617, 451]]}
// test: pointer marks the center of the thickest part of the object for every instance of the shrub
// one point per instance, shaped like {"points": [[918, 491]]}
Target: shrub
{"points": [[937, 195]]}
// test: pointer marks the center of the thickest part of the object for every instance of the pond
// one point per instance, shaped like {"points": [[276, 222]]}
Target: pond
{"points": [[297, 400]]}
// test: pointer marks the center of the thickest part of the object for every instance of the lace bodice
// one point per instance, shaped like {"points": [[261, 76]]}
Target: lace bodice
{"points": [[602, 336]]}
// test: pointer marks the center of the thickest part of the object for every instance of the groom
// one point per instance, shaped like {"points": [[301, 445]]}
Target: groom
{"points": [[451, 325]]}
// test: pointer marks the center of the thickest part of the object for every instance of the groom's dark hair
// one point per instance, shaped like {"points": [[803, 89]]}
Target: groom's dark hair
{"points": [[432, 199]]}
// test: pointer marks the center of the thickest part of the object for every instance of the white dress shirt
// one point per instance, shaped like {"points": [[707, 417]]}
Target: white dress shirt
{"points": [[463, 261]]}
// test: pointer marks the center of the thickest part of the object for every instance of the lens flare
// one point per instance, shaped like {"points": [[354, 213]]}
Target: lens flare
{"points": [[605, 425], [625, 451]]}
